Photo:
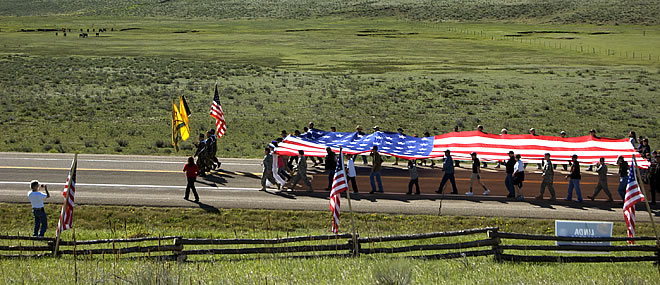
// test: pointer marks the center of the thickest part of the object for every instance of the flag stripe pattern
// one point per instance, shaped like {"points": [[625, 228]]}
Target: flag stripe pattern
{"points": [[339, 185], [66, 215], [490, 147], [218, 114], [633, 196]]}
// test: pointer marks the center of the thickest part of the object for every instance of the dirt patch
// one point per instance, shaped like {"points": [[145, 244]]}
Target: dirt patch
{"points": [[600, 33], [377, 31], [304, 30], [548, 32], [40, 30], [386, 34]]}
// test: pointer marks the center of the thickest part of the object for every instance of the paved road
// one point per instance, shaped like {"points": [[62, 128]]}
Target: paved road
{"points": [[158, 181]]}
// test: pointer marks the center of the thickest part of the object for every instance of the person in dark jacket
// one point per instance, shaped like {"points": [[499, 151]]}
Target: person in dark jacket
{"points": [[645, 149], [508, 181], [448, 169], [623, 177], [574, 181], [330, 165]]}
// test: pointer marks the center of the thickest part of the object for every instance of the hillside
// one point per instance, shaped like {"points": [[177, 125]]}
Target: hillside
{"points": [[535, 11]]}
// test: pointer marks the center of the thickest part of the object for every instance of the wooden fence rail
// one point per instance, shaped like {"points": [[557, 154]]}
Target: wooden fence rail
{"points": [[342, 245], [499, 255], [189, 241]]}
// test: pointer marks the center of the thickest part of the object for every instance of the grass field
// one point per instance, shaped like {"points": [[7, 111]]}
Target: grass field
{"points": [[93, 222], [111, 94]]}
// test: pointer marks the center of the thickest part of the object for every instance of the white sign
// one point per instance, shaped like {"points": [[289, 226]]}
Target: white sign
{"points": [[583, 229]]}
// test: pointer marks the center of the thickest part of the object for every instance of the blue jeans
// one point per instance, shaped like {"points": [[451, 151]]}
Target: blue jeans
{"points": [[452, 179], [508, 181], [623, 184], [574, 183], [373, 184], [40, 221]]}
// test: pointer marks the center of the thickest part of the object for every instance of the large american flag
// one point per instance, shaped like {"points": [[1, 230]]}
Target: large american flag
{"points": [[66, 215], [216, 112], [633, 195], [338, 185], [490, 147]]}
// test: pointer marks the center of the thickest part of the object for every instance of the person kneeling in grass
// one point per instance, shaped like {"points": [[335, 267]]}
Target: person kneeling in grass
{"points": [[191, 174]]}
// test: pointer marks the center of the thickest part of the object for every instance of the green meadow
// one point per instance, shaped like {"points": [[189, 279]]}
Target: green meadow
{"points": [[112, 93], [99, 222]]}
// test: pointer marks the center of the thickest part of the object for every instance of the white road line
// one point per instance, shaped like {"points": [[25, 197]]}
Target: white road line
{"points": [[133, 186], [120, 161]]}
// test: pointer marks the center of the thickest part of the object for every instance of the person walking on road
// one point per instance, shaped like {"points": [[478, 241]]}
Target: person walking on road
{"points": [[476, 170], [623, 177], [350, 172], [302, 172], [37, 200], [191, 170], [574, 181], [519, 177], [267, 174], [654, 175], [548, 178], [330, 166], [376, 167], [414, 179], [448, 169], [508, 181], [601, 169]]}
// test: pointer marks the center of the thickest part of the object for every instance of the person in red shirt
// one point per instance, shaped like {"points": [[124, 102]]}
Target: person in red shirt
{"points": [[191, 170]]}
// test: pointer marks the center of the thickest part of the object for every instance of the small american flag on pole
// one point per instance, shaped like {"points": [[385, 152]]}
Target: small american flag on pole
{"points": [[66, 215], [633, 195], [338, 185], [216, 112]]}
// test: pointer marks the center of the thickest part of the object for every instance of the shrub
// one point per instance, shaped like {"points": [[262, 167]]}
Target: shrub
{"points": [[160, 144], [122, 142]]}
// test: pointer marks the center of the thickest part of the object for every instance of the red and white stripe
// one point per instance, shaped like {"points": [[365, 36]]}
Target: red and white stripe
{"points": [[66, 215], [633, 196], [493, 147]]}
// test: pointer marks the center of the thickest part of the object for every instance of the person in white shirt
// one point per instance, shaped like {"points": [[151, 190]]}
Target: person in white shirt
{"points": [[350, 172], [37, 201], [519, 177]]}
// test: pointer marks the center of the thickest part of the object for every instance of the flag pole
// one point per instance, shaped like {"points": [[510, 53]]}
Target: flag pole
{"points": [[646, 202], [211, 121], [58, 232], [350, 208]]}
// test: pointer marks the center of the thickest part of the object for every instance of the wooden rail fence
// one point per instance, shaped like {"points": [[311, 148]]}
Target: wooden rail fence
{"points": [[471, 242]]}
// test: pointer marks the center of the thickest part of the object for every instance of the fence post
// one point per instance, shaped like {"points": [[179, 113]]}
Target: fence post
{"points": [[497, 251], [354, 250], [177, 251]]}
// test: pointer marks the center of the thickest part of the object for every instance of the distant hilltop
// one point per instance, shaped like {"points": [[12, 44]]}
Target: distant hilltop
{"points": [[645, 12]]}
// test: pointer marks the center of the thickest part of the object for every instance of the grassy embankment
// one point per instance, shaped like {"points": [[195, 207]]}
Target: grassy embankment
{"points": [[94, 222], [111, 94]]}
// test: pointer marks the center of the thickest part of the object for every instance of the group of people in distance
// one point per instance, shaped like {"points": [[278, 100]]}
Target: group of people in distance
{"points": [[276, 165]]}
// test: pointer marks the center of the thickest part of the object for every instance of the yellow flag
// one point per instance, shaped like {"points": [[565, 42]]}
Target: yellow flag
{"points": [[177, 124], [185, 129]]}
